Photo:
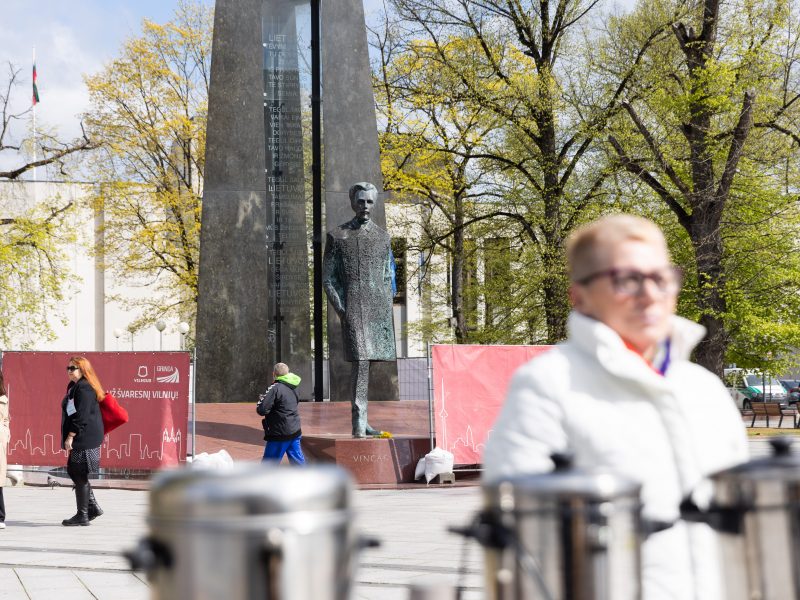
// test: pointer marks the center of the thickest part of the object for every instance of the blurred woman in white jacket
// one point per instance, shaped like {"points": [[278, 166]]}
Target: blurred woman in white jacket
{"points": [[620, 393]]}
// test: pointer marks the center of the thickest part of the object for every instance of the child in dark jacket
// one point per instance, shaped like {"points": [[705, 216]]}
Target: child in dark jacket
{"points": [[278, 406]]}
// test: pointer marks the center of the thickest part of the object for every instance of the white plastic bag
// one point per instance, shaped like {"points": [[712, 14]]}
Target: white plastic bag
{"points": [[419, 472], [435, 462], [218, 460]]}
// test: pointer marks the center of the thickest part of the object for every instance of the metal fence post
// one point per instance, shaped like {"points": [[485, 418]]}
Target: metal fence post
{"points": [[430, 399], [194, 401]]}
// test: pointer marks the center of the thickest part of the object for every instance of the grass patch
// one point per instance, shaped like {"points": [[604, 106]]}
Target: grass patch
{"points": [[771, 431]]}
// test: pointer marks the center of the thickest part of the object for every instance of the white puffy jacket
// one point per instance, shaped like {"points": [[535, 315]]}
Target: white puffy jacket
{"points": [[593, 397]]}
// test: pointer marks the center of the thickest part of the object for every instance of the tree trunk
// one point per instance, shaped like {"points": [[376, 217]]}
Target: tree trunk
{"points": [[457, 274], [556, 304], [707, 242]]}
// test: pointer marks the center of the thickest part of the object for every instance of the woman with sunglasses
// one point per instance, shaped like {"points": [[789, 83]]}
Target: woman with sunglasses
{"points": [[82, 436], [5, 437]]}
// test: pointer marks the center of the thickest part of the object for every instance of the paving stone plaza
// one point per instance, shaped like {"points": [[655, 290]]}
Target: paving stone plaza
{"points": [[41, 560]]}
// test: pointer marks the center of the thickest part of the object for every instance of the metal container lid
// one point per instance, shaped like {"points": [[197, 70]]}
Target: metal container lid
{"points": [[760, 482], [783, 463], [248, 490], [562, 483]]}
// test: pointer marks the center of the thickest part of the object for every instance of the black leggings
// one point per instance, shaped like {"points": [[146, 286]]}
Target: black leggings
{"points": [[2, 507]]}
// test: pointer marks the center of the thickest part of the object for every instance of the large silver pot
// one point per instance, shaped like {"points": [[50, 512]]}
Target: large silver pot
{"points": [[756, 508], [564, 535], [265, 532]]}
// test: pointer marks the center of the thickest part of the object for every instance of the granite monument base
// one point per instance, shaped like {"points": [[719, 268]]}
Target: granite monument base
{"points": [[370, 460]]}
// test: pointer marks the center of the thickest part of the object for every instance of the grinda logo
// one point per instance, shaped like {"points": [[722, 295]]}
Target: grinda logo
{"points": [[172, 376]]}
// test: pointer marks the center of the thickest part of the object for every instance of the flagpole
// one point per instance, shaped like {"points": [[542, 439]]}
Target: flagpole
{"points": [[33, 102]]}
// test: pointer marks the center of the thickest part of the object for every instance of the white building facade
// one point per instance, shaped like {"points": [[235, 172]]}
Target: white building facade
{"points": [[86, 319]]}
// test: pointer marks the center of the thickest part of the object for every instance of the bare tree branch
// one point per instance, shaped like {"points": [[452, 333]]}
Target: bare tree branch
{"points": [[646, 177], [737, 145], [784, 130], [54, 157], [651, 143]]}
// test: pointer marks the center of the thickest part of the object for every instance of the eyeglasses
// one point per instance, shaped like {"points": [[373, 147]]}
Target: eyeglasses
{"points": [[630, 282], [72, 368]]}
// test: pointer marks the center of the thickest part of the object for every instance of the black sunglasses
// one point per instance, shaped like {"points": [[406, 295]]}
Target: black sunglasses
{"points": [[72, 368]]}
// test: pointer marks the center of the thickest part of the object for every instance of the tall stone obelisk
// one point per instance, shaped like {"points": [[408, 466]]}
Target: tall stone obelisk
{"points": [[253, 308], [254, 298]]}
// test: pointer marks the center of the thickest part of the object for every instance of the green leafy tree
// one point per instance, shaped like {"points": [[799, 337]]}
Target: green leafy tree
{"points": [[33, 273], [33, 276], [148, 114], [523, 67], [688, 135], [428, 148]]}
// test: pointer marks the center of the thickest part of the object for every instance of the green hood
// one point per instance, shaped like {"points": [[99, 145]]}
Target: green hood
{"points": [[289, 379]]}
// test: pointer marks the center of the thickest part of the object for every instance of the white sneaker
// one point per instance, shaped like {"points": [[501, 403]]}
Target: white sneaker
{"points": [[2, 525]]}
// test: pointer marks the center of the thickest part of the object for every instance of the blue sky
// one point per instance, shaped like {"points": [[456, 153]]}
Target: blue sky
{"points": [[73, 37]]}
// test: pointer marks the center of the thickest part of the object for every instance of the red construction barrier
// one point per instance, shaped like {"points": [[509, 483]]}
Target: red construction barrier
{"points": [[469, 387], [152, 386]]}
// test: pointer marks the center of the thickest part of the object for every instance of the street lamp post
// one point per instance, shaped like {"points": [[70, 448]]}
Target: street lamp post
{"points": [[131, 329], [118, 334], [161, 325], [183, 328]]}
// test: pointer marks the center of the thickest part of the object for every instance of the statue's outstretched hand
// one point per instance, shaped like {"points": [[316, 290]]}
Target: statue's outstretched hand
{"points": [[340, 310]]}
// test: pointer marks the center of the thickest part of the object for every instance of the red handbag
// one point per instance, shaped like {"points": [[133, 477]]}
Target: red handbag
{"points": [[112, 413]]}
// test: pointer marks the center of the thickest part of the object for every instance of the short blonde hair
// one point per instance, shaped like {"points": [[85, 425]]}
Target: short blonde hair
{"points": [[587, 246], [280, 369]]}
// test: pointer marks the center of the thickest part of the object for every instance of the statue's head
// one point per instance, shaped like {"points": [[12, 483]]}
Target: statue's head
{"points": [[363, 196]]}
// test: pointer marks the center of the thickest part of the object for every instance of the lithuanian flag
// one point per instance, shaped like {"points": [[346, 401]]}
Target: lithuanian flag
{"points": [[35, 98]]}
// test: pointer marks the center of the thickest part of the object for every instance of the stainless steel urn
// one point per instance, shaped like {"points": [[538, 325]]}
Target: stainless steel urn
{"points": [[564, 535], [756, 509], [266, 532]]}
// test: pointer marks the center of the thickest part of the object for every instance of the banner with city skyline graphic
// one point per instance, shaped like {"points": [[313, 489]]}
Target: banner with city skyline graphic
{"points": [[152, 386], [469, 387]]}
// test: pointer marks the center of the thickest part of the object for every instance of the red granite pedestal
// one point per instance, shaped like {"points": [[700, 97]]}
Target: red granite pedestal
{"points": [[370, 460], [326, 436]]}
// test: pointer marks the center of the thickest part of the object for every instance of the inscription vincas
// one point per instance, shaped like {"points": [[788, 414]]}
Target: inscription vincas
{"points": [[363, 458]]}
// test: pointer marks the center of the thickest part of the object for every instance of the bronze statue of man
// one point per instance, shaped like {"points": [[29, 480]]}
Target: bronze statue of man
{"points": [[357, 276]]}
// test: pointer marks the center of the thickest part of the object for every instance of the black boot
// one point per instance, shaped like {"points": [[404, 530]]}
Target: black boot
{"points": [[82, 501], [94, 510]]}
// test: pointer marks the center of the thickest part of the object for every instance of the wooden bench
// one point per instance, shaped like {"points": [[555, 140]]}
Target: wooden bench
{"points": [[772, 409]]}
